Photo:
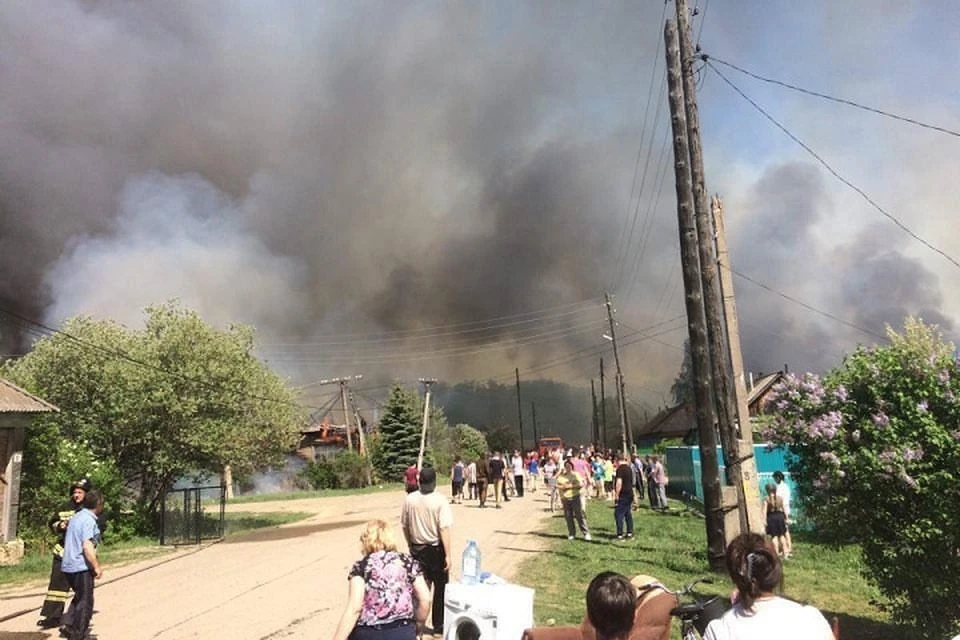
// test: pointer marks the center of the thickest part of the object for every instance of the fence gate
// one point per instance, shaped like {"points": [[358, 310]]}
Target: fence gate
{"points": [[190, 516]]}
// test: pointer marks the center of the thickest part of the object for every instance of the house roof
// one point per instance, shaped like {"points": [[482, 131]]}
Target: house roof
{"points": [[13, 399], [675, 422], [763, 385]]}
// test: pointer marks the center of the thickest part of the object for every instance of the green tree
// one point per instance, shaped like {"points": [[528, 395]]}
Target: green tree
{"points": [[174, 398], [877, 446], [399, 441], [460, 440]]}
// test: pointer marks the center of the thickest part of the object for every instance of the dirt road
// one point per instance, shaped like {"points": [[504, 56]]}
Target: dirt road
{"points": [[286, 582]]}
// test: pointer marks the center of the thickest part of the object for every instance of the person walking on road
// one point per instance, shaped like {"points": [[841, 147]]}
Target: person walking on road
{"points": [[623, 497], [570, 485], [80, 564], [471, 479], [410, 477], [517, 463], [456, 479], [497, 472], [426, 520], [533, 470], [483, 479], [387, 594], [550, 481]]}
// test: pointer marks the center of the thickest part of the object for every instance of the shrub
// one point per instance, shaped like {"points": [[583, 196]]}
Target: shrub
{"points": [[878, 457], [345, 470]]}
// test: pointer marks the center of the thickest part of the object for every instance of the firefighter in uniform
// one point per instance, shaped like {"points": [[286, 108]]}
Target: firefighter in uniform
{"points": [[51, 615]]}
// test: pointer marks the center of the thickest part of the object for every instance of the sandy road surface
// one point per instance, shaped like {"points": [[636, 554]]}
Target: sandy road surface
{"points": [[286, 582]]}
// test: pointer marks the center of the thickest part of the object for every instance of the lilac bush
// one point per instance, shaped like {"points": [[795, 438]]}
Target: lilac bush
{"points": [[878, 463]]}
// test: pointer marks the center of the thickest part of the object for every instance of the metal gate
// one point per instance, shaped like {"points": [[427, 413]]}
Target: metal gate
{"points": [[190, 516]]}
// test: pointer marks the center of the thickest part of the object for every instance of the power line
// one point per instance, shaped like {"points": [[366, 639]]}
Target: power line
{"points": [[121, 355], [803, 304], [817, 94], [834, 172], [703, 18]]}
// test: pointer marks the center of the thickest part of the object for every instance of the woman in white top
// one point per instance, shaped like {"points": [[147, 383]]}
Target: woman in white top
{"points": [[758, 613]]}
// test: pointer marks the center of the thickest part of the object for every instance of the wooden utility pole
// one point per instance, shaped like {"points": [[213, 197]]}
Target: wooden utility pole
{"points": [[343, 382], [361, 438], [595, 435], [748, 464], [693, 286], [603, 409], [426, 419], [621, 399], [519, 409], [712, 296], [533, 409]]}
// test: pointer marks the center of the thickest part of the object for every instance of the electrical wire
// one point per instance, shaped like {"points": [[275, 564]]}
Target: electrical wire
{"points": [[835, 173], [824, 96], [121, 355], [805, 305]]}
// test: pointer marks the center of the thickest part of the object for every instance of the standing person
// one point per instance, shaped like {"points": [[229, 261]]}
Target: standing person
{"points": [[609, 469], [471, 477], [426, 519], [757, 611], [550, 481], [456, 479], [596, 469], [497, 468], [783, 491], [637, 467], [517, 463], [775, 518], [410, 478], [52, 610], [570, 485], [387, 594], [483, 478], [651, 483], [80, 564], [533, 470], [582, 467], [623, 497], [660, 477]]}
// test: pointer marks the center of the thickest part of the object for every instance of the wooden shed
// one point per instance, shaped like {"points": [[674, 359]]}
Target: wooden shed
{"points": [[17, 409]]}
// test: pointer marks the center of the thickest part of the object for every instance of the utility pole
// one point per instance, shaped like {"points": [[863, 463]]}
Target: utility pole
{"points": [[748, 464], [533, 409], [712, 296], [361, 438], [596, 422], [621, 399], [603, 409], [519, 409], [426, 418], [693, 286], [343, 382]]}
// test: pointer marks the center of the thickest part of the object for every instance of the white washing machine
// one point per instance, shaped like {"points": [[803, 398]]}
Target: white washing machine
{"points": [[486, 611]]}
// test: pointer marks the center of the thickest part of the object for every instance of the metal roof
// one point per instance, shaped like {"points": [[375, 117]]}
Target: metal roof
{"points": [[13, 399]]}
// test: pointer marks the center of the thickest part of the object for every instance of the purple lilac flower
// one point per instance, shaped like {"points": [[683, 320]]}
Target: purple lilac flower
{"points": [[830, 457], [944, 376], [922, 406], [840, 393], [911, 454], [881, 419]]}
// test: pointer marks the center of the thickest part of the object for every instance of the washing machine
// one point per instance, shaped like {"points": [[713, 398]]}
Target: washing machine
{"points": [[486, 611]]}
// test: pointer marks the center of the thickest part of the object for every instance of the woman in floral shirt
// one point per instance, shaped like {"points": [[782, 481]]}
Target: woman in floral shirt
{"points": [[388, 594]]}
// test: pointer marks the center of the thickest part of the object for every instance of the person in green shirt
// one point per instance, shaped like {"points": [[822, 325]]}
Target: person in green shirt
{"points": [[569, 486]]}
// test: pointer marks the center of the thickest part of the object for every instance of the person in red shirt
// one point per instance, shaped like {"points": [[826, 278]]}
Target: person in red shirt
{"points": [[411, 478]]}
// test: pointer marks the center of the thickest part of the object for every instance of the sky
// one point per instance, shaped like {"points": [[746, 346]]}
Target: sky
{"points": [[447, 189]]}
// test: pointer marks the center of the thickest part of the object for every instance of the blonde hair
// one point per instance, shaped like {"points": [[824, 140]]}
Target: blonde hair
{"points": [[377, 536]]}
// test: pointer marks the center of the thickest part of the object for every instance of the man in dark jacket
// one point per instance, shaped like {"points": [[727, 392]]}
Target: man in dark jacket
{"points": [[483, 478], [52, 610]]}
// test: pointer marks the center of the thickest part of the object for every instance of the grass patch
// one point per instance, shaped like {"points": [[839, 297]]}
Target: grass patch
{"points": [[305, 495], [672, 548]]}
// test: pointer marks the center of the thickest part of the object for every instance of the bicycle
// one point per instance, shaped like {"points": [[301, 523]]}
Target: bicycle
{"points": [[696, 614]]}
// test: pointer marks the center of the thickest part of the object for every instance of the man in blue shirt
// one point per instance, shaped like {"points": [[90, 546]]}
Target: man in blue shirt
{"points": [[80, 564]]}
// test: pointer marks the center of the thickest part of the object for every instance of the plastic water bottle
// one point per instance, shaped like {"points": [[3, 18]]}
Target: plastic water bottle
{"points": [[470, 567]]}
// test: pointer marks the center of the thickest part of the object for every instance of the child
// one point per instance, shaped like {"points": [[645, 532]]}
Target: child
{"points": [[776, 518]]}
